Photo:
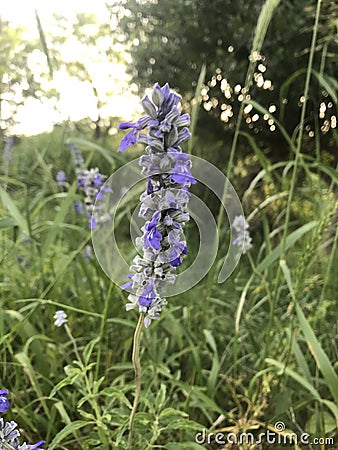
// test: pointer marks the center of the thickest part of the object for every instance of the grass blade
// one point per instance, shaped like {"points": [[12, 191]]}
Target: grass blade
{"points": [[14, 211], [319, 355]]}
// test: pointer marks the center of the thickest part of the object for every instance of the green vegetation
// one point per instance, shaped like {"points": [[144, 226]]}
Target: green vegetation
{"points": [[236, 357]]}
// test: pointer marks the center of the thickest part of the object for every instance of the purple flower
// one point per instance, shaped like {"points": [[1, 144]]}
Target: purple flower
{"points": [[9, 434], [78, 206], [181, 173], [148, 295], [88, 253], [36, 446], [61, 178], [4, 402], [152, 237], [164, 201], [131, 137]]}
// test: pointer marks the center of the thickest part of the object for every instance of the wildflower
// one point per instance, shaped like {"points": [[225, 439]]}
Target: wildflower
{"points": [[77, 159], [8, 149], [4, 402], [164, 201], [60, 318], [21, 260], [36, 446], [78, 207], [9, 435], [61, 178], [243, 239], [90, 182], [88, 253]]}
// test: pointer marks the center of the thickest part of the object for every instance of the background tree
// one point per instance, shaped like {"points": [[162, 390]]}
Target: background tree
{"points": [[86, 50], [170, 40], [18, 78]]}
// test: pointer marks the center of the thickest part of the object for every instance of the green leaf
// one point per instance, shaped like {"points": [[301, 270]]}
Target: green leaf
{"points": [[67, 430], [303, 382], [321, 418], [23, 359], [63, 413], [58, 219], [290, 240], [295, 376], [14, 211], [87, 352], [319, 355]]}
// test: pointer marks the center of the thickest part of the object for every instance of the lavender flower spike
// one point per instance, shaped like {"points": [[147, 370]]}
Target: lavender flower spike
{"points": [[164, 202], [61, 178], [243, 238], [91, 183]]}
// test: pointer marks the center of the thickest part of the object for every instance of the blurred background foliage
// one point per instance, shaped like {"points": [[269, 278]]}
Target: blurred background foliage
{"points": [[169, 41]]}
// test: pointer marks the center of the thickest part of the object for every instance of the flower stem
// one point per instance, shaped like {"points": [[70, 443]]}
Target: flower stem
{"points": [[137, 371]]}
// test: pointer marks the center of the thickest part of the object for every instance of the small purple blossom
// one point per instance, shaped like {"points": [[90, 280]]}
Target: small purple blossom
{"points": [[152, 237], [88, 253], [60, 318], [131, 137], [21, 260], [4, 402], [36, 446], [78, 206], [148, 295], [61, 178], [182, 169]]}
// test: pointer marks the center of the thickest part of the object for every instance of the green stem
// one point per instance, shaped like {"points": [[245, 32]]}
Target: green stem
{"points": [[76, 351], [297, 157], [137, 370], [91, 396], [260, 33], [102, 331]]}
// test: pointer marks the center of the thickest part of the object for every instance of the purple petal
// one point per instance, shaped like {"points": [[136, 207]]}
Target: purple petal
{"points": [[127, 125], [128, 140], [4, 402], [36, 446], [176, 262], [126, 286]]}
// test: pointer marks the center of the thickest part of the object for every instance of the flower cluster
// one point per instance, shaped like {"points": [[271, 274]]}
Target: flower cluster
{"points": [[9, 435], [91, 182], [243, 238], [61, 178], [164, 202], [77, 159]]}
